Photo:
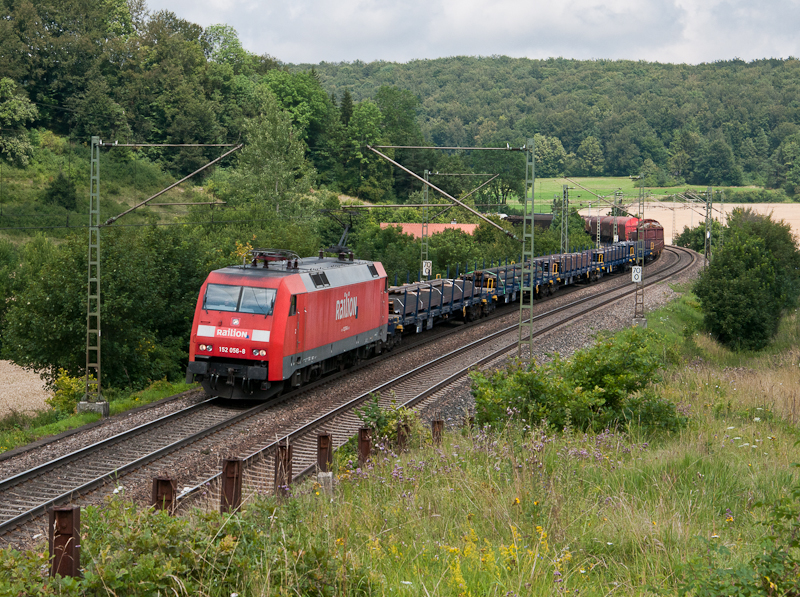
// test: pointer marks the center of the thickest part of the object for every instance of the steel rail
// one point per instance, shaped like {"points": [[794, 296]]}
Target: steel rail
{"points": [[309, 427], [440, 385], [67, 496]]}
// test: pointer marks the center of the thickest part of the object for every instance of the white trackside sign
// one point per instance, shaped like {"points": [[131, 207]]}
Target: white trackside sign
{"points": [[636, 274], [427, 267]]}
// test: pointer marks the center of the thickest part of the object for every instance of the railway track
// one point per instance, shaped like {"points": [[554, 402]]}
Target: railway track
{"points": [[411, 389], [25, 497]]}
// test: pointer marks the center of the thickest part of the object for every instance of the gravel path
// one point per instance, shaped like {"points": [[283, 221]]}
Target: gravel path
{"points": [[21, 390]]}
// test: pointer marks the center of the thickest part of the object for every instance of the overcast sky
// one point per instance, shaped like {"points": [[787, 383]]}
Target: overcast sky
{"points": [[690, 31]]}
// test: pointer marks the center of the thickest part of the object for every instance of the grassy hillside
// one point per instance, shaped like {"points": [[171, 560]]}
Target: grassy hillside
{"points": [[51, 193]]}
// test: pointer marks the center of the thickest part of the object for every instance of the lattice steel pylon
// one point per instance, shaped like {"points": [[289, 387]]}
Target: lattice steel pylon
{"points": [[424, 233], [597, 228], [93, 391], [638, 308], [721, 196], [709, 218], [565, 219], [615, 213], [674, 225], [528, 274]]}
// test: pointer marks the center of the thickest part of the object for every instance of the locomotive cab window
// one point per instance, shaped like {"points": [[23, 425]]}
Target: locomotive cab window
{"points": [[257, 300], [293, 305], [221, 297]]}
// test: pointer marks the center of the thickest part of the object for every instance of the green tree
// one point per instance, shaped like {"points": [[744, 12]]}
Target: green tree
{"points": [[272, 168], [590, 157], [61, 191], [780, 242], [96, 113], [694, 238], [550, 156], [717, 165], [301, 95], [346, 107], [785, 172], [398, 252], [222, 46], [15, 112], [400, 127], [577, 227], [366, 174], [739, 293]]}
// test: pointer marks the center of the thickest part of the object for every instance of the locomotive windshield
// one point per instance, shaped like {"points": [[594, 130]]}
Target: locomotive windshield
{"points": [[242, 299]]}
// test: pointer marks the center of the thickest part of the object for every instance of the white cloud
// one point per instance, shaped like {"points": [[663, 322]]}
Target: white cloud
{"points": [[659, 30]]}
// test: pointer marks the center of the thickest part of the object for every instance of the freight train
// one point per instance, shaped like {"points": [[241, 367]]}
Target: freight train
{"points": [[628, 228], [279, 321]]}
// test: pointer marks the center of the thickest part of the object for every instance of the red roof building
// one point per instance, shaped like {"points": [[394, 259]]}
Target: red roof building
{"points": [[415, 230]]}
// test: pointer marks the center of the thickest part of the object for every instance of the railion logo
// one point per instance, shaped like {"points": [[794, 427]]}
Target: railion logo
{"points": [[231, 333], [347, 307]]}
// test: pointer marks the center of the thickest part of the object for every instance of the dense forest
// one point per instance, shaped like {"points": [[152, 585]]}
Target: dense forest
{"points": [[71, 69], [722, 123], [114, 69]]}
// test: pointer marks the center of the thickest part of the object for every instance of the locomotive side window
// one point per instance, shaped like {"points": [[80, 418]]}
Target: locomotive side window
{"points": [[220, 297], [257, 300], [293, 305]]}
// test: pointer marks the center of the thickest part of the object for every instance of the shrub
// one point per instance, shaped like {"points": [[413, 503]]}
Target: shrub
{"points": [[61, 191], [589, 391], [651, 412], [69, 391]]}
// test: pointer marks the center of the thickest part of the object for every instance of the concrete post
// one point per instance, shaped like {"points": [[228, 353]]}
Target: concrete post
{"points": [[65, 540], [364, 444], [436, 431], [283, 470], [230, 498], [164, 492], [324, 452]]}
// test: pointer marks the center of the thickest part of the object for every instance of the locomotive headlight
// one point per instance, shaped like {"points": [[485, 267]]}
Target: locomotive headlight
{"points": [[255, 352], [209, 348], [262, 353], [202, 347]]}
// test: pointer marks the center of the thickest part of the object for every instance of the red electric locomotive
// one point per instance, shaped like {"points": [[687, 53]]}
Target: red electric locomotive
{"points": [[281, 321]]}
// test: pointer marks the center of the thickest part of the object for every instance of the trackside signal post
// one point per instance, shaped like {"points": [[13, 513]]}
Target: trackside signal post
{"points": [[424, 233], [527, 280], [565, 219], [93, 395]]}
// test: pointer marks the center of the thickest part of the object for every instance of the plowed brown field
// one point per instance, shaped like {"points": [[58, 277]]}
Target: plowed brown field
{"points": [[20, 390], [692, 215]]}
